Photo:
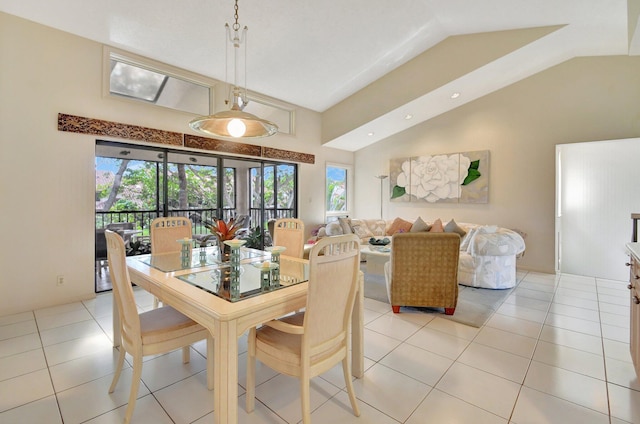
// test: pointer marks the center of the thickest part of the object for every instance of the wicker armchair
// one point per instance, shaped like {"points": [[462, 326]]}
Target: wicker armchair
{"points": [[423, 270]]}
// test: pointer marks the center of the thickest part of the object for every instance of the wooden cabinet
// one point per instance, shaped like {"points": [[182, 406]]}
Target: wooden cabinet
{"points": [[634, 294]]}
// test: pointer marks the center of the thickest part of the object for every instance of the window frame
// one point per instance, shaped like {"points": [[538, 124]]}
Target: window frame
{"points": [[334, 215], [111, 53]]}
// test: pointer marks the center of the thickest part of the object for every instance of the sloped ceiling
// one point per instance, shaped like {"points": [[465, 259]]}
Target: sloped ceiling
{"points": [[337, 57]]}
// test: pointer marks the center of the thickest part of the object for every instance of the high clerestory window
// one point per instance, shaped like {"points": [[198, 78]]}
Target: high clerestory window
{"points": [[141, 79], [151, 82]]}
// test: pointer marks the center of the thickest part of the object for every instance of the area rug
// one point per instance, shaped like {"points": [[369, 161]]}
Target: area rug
{"points": [[475, 306]]}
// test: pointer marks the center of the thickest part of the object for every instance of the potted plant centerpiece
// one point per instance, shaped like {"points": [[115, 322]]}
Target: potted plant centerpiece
{"points": [[223, 231]]}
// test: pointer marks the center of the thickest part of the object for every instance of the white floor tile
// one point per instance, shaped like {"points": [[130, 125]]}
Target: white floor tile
{"points": [[84, 369], [391, 392], [522, 312], [453, 328], [613, 332], [17, 329], [574, 324], [15, 318], [281, 394], [24, 389], [394, 327], [147, 411], [22, 363], [494, 361], [570, 359], [625, 403], [535, 407], [377, 345], [571, 300], [419, 367], [574, 339], [74, 349], [622, 373], [187, 400], [438, 342], [91, 399], [568, 385], [616, 350], [338, 410], [19, 344], [508, 342], [439, 407], [575, 312], [417, 363], [41, 411], [482, 389], [519, 326], [527, 302]]}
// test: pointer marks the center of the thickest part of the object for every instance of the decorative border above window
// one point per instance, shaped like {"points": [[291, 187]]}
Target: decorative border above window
{"points": [[82, 125]]}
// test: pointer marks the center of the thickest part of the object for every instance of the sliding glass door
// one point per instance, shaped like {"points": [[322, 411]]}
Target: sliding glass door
{"points": [[136, 184]]}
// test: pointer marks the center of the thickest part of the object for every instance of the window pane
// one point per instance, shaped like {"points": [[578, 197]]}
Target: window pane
{"points": [[336, 189], [229, 190], [125, 185], [286, 193], [157, 87]]}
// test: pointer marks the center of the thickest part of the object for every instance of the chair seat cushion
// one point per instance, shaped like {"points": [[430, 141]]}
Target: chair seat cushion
{"points": [[165, 323]]}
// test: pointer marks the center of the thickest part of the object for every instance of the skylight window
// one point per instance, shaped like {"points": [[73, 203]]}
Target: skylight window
{"points": [[132, 81], [154, 83]]}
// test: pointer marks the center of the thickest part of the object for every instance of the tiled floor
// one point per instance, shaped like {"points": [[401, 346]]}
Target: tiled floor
{"points": [[555, 352]]}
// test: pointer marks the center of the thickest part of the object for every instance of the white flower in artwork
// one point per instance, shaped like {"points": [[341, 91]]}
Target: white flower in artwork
{"points": [[434, 178]]}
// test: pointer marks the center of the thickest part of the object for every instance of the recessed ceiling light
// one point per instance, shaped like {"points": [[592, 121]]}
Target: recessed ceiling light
{"points": [[455, 95], [408, 116], [370, 134]]}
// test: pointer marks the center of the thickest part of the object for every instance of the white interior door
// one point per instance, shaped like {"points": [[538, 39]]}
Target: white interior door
{"points": [[597, 190]]}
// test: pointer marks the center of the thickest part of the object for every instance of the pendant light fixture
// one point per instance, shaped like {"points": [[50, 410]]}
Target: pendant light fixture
{"points": [[235, 123]]}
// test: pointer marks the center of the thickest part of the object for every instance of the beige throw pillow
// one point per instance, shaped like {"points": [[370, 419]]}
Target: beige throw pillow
{"points": [[399, 225], [419, 225], [453, 227], [436, 227]]}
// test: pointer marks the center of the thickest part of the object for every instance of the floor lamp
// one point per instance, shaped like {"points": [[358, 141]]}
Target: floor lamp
{"points": [[382, 178]]}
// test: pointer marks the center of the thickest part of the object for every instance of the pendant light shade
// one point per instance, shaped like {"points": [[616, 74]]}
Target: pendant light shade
{"points": [[235, 123]]}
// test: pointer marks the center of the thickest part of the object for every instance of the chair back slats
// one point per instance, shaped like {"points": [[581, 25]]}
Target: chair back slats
{"points": [[289, 232], [165, 231], [333, 275]]}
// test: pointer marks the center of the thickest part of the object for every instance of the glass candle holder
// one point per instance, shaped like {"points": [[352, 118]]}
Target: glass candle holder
{"points": [[185, 252]]}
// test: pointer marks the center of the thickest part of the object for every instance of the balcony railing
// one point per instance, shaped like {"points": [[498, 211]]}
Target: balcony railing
{"points": [[142, 219]]}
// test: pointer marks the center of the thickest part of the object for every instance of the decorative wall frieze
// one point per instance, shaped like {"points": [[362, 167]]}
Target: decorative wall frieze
{"points": [[288, 155], [204, 143], [82, 125]]}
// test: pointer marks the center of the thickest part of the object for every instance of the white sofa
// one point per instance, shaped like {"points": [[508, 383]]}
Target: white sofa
{"points": [[487, 252]]}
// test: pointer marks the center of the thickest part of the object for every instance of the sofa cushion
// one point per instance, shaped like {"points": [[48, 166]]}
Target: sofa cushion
{"points": [[334, 229], [419, 225], [362, 231], [436, 227], [345, 223], [452, 227], [399, 225]]}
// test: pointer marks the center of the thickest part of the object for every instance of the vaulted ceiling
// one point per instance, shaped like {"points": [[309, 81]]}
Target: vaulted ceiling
{"points": [[327, 55]]}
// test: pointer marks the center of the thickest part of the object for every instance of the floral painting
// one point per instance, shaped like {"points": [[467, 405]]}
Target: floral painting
{"points": [[447, 178]]}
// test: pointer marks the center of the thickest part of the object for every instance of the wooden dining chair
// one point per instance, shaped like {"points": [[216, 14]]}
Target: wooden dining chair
{"points": [[149, 333], [289, 232], [309, 343], [165, 233]]}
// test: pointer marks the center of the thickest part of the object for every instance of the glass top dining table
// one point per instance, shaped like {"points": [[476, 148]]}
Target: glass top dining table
{"points": [[255, 266]]}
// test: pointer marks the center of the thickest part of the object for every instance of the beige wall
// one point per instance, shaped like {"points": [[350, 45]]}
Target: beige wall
{"points": [[47, 180], [584, 99]]}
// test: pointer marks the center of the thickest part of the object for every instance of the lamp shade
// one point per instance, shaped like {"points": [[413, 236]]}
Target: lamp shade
{"points": [[228, 124]]}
